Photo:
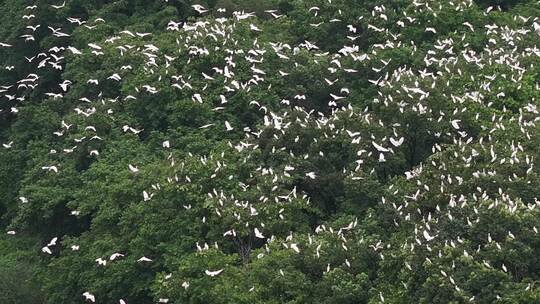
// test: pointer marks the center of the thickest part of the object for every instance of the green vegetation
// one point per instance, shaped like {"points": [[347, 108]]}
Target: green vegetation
{"points": [[269, 151]]}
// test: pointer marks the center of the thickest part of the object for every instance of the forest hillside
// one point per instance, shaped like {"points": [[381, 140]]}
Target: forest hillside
{"points": [[269, 151]]}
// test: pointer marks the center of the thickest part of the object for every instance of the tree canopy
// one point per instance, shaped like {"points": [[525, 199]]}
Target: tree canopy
{"points": [[269, 151]]}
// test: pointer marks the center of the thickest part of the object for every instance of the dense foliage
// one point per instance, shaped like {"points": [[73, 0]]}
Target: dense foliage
{"points": [[269, 151]]}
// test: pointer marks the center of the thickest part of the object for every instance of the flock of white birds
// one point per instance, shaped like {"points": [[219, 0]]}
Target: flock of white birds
{"points": [[400, 90]]}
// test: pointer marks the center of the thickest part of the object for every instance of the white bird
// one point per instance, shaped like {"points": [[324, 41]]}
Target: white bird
{"points": [[115, 76], [115, 255], [379, 147], [146, 196], [213, 273], [199, 8], [64, 85], [223, 99], [253, 27], [455, 123], [144, 259], [89, 297], [311, 175], [258, 234], [427, 236], [74, 50], [228, 126], [50, 168], [94, 46], [58, 7], [197, 97], [128, 33], [53, 241], [397, 142], [133, 168]]}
